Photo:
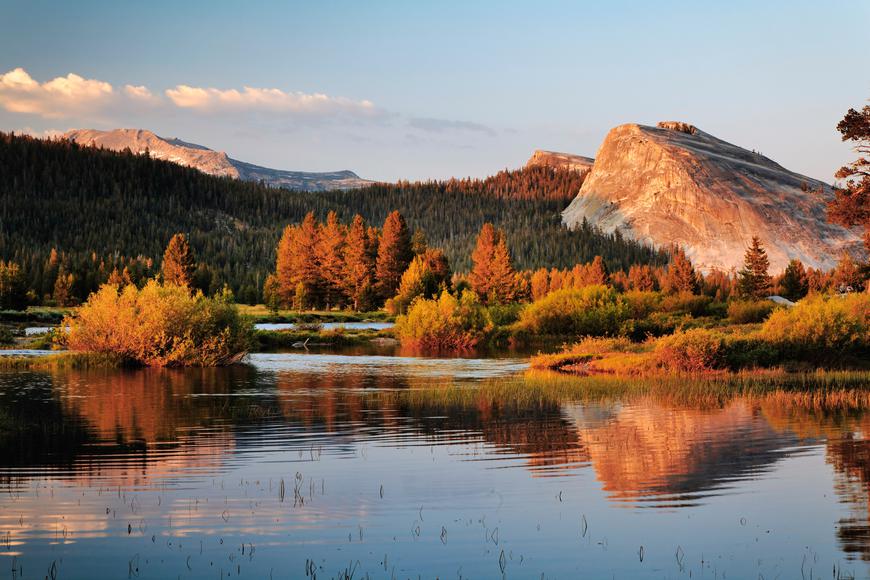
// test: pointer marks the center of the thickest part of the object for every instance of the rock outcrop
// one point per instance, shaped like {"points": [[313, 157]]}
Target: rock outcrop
{"points": [[212, 162], [676, 184], [541, 158]]}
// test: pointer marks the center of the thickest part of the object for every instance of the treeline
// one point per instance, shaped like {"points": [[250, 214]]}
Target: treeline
{"points": [[83, 213]]}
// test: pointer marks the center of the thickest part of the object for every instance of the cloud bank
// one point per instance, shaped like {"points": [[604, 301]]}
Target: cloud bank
{"points": [[75, 96]]}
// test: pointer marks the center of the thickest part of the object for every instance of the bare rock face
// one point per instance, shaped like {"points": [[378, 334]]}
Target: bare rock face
{"points": [[675, 184], [578, 163], [212, 162]]}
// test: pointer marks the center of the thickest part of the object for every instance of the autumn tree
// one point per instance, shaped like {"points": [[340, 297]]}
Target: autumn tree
{"points": [[178, 262], [480, 276], [641, 277], [851, 204], [13, 288], [297, 268], [848, 276], [596, 273], [503, 281], [330, 258], [540, 283], [394, 254], [680, 276], [359, 265], [794, 283], [63, 288], [119, 278], [754, 279]]}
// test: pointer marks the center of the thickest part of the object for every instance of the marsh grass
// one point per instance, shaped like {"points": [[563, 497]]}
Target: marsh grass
{"points": [[268, 340], [64, 360], [261, 313]]}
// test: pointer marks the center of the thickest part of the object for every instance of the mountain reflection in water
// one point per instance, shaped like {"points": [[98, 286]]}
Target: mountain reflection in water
{"points": [[336, 459]]}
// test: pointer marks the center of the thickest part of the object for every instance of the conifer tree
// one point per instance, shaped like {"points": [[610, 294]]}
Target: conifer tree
{"points": [[640, 277], [359, 265], [540, 283], [178, 262], [596, 272], [13, 287], [794, 283], [755, 282], [681, 276], [480, 276], [394, 254], [502, 287], [330, 257]]}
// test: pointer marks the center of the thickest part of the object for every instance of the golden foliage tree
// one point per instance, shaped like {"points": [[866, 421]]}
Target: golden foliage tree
{"points": [[178, 262], [330, 258], [359, 264]]}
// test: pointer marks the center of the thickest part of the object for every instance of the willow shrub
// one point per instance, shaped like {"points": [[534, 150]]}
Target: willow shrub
{"points": [[749, 311], [444, 323], [160, 325], [589, 311], [822, 323], [695, 350]]}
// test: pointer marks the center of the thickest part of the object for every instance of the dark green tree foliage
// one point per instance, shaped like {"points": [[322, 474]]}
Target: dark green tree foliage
{"points": [[13, 290], [755, 281], [100, 210], [794, 283]]}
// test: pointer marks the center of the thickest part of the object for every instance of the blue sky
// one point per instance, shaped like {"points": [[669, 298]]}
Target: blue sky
{"points": [[435, 89]]}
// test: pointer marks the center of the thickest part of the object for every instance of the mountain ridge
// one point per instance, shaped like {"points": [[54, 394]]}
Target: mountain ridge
{"points": [[212, 162]]}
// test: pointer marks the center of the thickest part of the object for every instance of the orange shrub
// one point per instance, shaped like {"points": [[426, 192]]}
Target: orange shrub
{"points": [[445, 323], [160, 325], [693, 350]]}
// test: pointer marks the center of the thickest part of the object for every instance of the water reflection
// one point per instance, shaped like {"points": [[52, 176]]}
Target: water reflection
{"points": [[348, 457]]}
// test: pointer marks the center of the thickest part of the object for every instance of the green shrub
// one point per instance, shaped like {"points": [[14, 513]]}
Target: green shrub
{"points": [[504, 314], [686, 303], [589, 311], [695, 350], [749, 311], [160, 325], [6, 336], [822, 323], [445, 323], [642, 304], [751, 352]]}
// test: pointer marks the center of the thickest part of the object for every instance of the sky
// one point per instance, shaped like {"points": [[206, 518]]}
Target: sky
{"points": [[418, 90]]}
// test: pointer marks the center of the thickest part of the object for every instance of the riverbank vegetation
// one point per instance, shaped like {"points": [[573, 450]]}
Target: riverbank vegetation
{"points": [[162, 324]]}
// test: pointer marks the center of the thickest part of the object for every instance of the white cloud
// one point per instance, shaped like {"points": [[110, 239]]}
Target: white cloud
{"points": [[271, 100], [433, 125], [60, 97], [141, 93]]}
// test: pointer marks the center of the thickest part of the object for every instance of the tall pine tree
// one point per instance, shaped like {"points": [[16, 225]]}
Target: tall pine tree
{"points": [[755, 281], [394, 254], [178, 262]]}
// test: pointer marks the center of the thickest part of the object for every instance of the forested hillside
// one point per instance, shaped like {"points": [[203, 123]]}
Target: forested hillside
{"points": [[99, 209]]}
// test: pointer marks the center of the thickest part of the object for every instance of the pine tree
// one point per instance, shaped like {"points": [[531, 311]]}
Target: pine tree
{"points": [[794, 283], [63, 288], [755, 282], [359, 265], [502, 287], [640, 277], [419, 243], [178, 263], [480, 276], [394, 254], [330, 257], [596, 272], [13, 287], [681, 276]]}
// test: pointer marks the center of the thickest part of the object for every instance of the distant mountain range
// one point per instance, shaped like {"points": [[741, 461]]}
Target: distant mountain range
{"points": [[213, 162], [676, 184]]}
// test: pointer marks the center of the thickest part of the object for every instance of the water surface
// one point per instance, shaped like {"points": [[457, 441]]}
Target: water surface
{"points": [[333, 465]]}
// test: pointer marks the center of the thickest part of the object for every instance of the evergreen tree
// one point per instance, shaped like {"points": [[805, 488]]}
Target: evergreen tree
{"points": [[641, 277], [680, 276], [596, 272], [794, 283], [297, 266], [755, 282], [419, 243], [359, 265], [394, 254], [330, 257], [480, 277], [178, 263], [503, 280], [13, 288]]}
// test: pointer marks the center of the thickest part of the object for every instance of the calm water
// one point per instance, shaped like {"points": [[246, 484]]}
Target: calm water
{"points": [[332, 466], [38, 330]]}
